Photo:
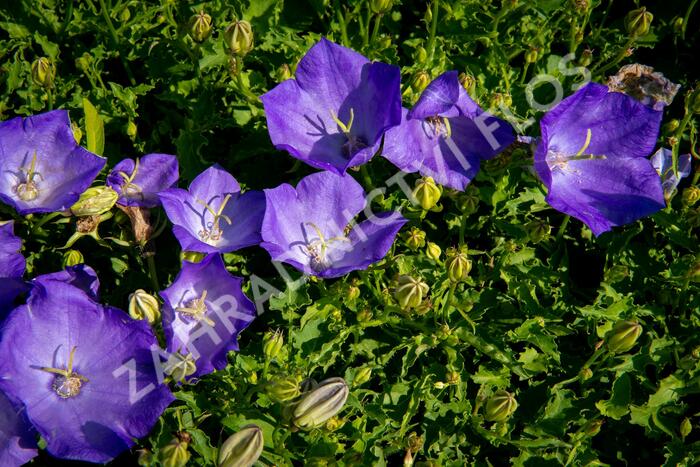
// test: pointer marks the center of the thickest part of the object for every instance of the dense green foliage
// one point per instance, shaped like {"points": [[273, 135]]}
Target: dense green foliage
{"points": [[533, 314]]}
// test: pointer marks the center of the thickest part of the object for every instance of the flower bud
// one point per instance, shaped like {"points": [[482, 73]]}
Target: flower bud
{"points": [[283, 389], [95, 201], [146, 458], [433, 251], [531, 55], [410, 292], [144, 306], [320, 404], [191, 256], [420, 81], [427, 192], [581, 6], [364, 316], [586, 57], [453, 377], [239, 37], [272, 344], [132, 130], [43, 72], [467, 81], [72, 258], [179, 367], [200, 26], [283, 72], [617, 273], [593, 427], [243, 448], [671, 126], [678, 25], [362, 376], [500, 406], [458, 266], [538, 230], [415, 238], [690, 196], [637, 22], [623, 336], [421, 55], [175, 454], [468, 202], [353, 293], [380, 7], [685, 428], [77, 132]]}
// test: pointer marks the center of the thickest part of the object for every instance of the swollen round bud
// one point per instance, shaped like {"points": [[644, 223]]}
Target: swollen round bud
{"points": [[690, 196], [95, 201], [433, 251], [362, 376], [420, 81], [637, 22], [617, 273], [352, 293], [410, 292], [671, 126], [381, 7], [427, 192], [421, 54], [694, 104], [623, 336], [586, 57], [500, 406], [43, 72], [320, 404], [176, 454], [179, 367], [467, 81], [415, 238], [593, 427], [144, 306], [72, 258], [239, 37], [538, 230], [283, 72], [458, 266], [243, 448], [685, 428], [283, 389], [200, 27], [77, 132], [581, 6], [531, 55], [272, 344]]}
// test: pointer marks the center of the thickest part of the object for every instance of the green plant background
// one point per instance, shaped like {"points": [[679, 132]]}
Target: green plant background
{"points": [[533, 311]]}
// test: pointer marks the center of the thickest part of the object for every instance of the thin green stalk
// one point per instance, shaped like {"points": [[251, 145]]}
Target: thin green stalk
{"points": [[152, 270], [342, 20], [115, 40], [368, 21], [523, 76], [366, 177], [675, 149], [448, 301], [375, 31], [618, 58], [562, 227], [49, 95], [44, 220], [687, 17], [433, 31]]}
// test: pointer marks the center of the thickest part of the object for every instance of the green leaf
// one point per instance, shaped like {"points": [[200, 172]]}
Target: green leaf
{"points": [[94, 128], [618, 405]]}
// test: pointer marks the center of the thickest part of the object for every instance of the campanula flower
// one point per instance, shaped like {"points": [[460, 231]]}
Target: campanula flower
{"points": [[213, 215], [446, 135], [84, 372], [17, 441], [662, 160], [311, 226], [42, 168], [333, 114], [12, 262], [593, 158], [204, 310], [139, 181]]}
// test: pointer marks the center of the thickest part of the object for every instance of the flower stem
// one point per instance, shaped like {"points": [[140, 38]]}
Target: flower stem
{"points": [[562, 227], [153, 271], [618, 58], [115, 40], [675, 149], [375, 31], [687, 17], [433, 31]]}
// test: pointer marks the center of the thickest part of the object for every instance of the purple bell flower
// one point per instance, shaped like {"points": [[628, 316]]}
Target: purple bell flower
{"points": [[17, 441], [42, 168], [446, 135], [12, 262], [593, 158], [139, 181], [204, 310], [333, 114], [662, 160], [310, 226], [84, 372], [213, 216]]}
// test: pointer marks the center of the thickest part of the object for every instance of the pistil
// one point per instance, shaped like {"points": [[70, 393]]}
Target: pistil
{"points": [[67, 383], [214, 233], [28, 190], [196, 309]]}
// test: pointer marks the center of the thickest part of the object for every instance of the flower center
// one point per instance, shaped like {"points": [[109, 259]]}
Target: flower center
{"points": [[129, 188], [317, 249], [28, 189], [213, 231], [559, 160], [441, 126], [196, 309], [67, 383], [354, 143]]}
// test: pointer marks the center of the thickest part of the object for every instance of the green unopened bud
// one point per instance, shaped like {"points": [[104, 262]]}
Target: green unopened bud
{"points": [[283, 389], [362, 376], [538, 230], [132, 130], [616, 273], [694, 104], [637, 22], [671, 126], [243, 448], [500, 406], [239, 38], [531, 55], [179, 367], [678, 25], [420, 81], [421, 55], [453, 377], [467, 81], [320, 404], [410, 292], [95, 201], [499, 99], [176, 454], [77, 132], [365, 316], [283, 72], [586, 57], [593, 427], [191, 256], [685, 428], [427, 192], [200, 26], [694, 271], [72, 258], [623, 336], [415, 238], [458, 266], [433, 251], [272, 344], [581, 6], [585, 374], [381, 7], [468, 202], [43, 72], [352, 293], [146, 458], [144, 306]]}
